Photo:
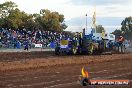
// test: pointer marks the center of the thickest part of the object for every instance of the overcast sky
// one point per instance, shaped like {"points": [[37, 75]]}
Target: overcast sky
{"points": [[110, 13]]}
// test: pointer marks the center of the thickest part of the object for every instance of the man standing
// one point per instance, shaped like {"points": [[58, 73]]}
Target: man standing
{"points": [[120, 40], [26, 45], [121, 47]]}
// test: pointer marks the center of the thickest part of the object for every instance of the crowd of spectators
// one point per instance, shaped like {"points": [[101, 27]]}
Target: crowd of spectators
{"points": [[10, 38], [19, 38]]}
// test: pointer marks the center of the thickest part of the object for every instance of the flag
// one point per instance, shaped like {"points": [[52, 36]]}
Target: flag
{"points": [[94, 18]]}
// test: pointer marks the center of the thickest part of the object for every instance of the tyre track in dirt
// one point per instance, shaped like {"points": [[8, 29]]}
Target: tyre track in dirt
{"points": [[55, 76], [68, 75], [47, 72], [65, 82]]}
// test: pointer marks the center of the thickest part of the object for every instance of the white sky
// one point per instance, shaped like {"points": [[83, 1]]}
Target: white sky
{"points": [[78, 8]]}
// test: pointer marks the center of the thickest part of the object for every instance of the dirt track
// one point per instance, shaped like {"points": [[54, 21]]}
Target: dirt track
{"points": [[45, 70]]}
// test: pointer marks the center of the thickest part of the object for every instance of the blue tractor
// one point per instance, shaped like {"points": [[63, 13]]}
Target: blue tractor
{"points": [[80, 44], [94, 43]]}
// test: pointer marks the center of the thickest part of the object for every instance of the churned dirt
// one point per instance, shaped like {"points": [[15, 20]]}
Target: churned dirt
{"points": [[46, 70]]}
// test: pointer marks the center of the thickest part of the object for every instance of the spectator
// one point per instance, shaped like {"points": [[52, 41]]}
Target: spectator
{"points": [[26, 45], [16, 38]]}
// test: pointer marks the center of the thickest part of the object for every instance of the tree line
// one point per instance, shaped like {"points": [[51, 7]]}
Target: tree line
{"points": [[125, 31], [14, 18], [126, 28]]}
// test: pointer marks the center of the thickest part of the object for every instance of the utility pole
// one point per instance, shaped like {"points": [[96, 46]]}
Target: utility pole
{"points": [[86, 22], [85, 29]]}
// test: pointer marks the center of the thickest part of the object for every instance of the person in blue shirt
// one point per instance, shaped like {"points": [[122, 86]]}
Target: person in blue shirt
{"points": [[26, 45]]}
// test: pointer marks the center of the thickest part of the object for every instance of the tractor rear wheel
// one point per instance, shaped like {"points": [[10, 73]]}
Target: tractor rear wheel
{"points": [[91, 48]]}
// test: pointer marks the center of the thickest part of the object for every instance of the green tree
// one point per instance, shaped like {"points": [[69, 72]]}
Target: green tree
{"points": [[99, 28], [63, 26], [12, 17], [117, 33], [51, 20], [6, 8], [126, 28], [127, 24], [15, 19]]}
